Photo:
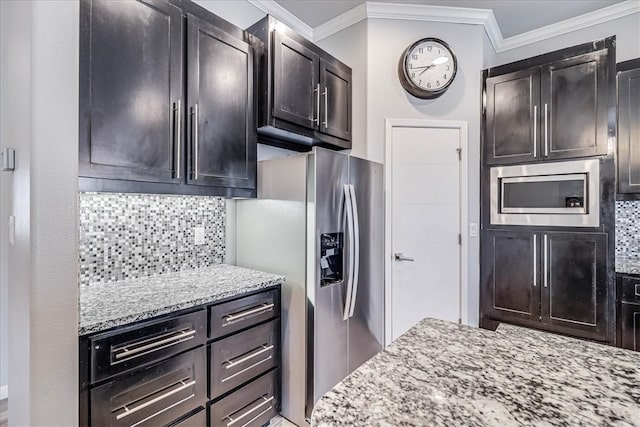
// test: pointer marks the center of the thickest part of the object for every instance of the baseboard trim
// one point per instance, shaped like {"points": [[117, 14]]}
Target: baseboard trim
{"points": [[4, 392]]}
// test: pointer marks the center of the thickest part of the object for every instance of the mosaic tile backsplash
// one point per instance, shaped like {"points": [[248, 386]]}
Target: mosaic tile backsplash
{"points": [[628, 229], [126, 236]]}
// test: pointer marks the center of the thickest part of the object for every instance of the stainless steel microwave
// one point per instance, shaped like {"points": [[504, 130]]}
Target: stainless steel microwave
{"points": [[563, 194]]}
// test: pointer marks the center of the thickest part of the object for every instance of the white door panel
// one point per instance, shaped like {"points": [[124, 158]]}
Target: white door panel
{"points": [[425, 225]]}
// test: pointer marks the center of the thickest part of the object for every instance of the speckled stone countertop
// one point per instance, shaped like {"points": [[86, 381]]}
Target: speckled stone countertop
{"points": [[103, 306], [627, 265], [444, 374]]}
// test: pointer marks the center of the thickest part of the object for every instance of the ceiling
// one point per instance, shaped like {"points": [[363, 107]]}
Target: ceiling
{"points": [[513, 16]]}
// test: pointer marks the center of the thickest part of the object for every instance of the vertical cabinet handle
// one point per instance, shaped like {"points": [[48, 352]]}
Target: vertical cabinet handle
{"points": [[546, 132], [178, 126], [194, 125], [351, 257], [535, 133], [316, 119], [356, 245], [326, 108], [535, 260], [546, 261]]}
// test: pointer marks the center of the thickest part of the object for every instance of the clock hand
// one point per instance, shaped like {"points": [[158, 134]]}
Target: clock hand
{"points": [[439, 60]]}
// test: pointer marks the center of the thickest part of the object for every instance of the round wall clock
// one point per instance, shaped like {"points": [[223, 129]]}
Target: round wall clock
{"points": [[427, 68]]}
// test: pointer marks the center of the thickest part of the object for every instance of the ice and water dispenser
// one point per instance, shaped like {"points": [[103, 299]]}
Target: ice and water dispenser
{"points": [[331, 264]]}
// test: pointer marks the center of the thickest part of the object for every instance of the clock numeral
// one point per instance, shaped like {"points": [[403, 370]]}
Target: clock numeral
{"points": [[438, 82], [414, 56], [420, 82], [420, 50], [413, 75], [429, 85], [445, 77], [438, 51], [410, 64], [429, 48], [448, 68]]}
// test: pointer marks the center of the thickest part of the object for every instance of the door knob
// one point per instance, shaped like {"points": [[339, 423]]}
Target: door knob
{"points": [[400, 257]]}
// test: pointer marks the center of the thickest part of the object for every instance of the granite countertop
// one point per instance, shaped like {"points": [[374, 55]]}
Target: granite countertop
{"points": [[103, 306], [627, 265], [441, 374]]}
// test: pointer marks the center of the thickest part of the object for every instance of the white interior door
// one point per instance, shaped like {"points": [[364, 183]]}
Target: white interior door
{"points": [[425, 225]]}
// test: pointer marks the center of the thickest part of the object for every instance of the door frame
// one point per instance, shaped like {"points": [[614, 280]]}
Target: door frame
{"points": [[462, 126]]}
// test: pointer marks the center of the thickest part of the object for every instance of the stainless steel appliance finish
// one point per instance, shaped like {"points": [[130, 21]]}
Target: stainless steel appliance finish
{"points": [[330, 327], [563, 194]]}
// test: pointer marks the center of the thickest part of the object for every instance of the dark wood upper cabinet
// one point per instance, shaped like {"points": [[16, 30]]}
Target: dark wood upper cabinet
{"points": [[139, 130], [304, 96], [131, 85], [511, 284], [512, 117], [295, 82], [575, 282], [574, 93], [222, 138], [629, 130], [557, 110]]}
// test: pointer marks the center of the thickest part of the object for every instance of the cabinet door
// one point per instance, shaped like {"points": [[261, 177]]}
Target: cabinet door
{"points": [[130, 91], [574, 106], [222, 148], [335, 110], [630, 326], [296, 97], [510, 275], [629, 131], [512, 114], [574, 276]]}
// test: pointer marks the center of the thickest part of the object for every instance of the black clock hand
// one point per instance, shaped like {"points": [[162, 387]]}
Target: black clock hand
{"points": [[426, 68]]}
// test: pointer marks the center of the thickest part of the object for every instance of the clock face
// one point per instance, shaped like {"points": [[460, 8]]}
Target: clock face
{"points": [[428, 68]]}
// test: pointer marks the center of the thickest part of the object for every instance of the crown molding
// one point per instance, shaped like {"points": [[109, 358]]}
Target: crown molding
{"points": [[484, 17], [270, 7], [599, 16]]}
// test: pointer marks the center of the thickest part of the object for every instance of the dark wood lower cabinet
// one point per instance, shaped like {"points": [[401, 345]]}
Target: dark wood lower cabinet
{"points": [[169, 371], [551, 280], [629, 312]]}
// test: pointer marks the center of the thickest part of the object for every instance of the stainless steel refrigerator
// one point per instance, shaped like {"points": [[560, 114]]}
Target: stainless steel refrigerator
{"points": [[319, 220]]}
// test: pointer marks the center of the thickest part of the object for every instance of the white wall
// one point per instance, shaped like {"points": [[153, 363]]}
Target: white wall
{"points": [[350, 47], [240, 13], [626, 30], [40, 113]]}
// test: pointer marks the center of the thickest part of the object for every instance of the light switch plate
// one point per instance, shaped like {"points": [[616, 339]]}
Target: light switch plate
{"points": [[199, 235], [473, 229]]}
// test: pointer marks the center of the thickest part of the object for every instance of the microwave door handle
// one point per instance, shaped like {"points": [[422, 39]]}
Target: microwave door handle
{"points": [[350, 251], [356, 250]]}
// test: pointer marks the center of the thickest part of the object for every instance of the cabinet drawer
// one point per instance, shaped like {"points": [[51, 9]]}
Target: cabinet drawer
{"points": [[113, 353], [198, 419], [631, 289], [251, 406], [237, 359], [242, 313], [630, 326], [154, 396]]}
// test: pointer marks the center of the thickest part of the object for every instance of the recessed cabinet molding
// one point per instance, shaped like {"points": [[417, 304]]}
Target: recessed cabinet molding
{"points": [[304, 94], [556, 110], [139, 130], [629, 129]]}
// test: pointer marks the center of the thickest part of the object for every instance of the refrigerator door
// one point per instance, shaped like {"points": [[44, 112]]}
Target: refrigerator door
{"points": [[366, 325], [327, 352]]}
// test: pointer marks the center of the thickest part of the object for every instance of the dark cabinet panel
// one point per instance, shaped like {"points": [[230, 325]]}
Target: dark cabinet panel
{"points": [[510, 275], [335, 84], [222, 149], [574, 103], [512, 125], [630, 326], [295, 82], [131, 89], [239, 314], [629, 131], [574, 292]]}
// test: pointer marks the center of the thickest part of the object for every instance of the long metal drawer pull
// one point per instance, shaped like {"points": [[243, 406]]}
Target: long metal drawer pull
{"points": [[165, 409], [263, 307], [535, 260], [263, 349], [546, 260], [257, 416], [195, 141], [637, 291], [546, 132], [178, 138], [247, 369], [326, 108], [316, 120], [155, 344], [265, 401], [535, 131], [155, 400]]}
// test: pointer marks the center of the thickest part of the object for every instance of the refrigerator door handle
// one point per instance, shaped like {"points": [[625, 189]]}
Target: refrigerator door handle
{"points": [[356, 250], [349, 229]]}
